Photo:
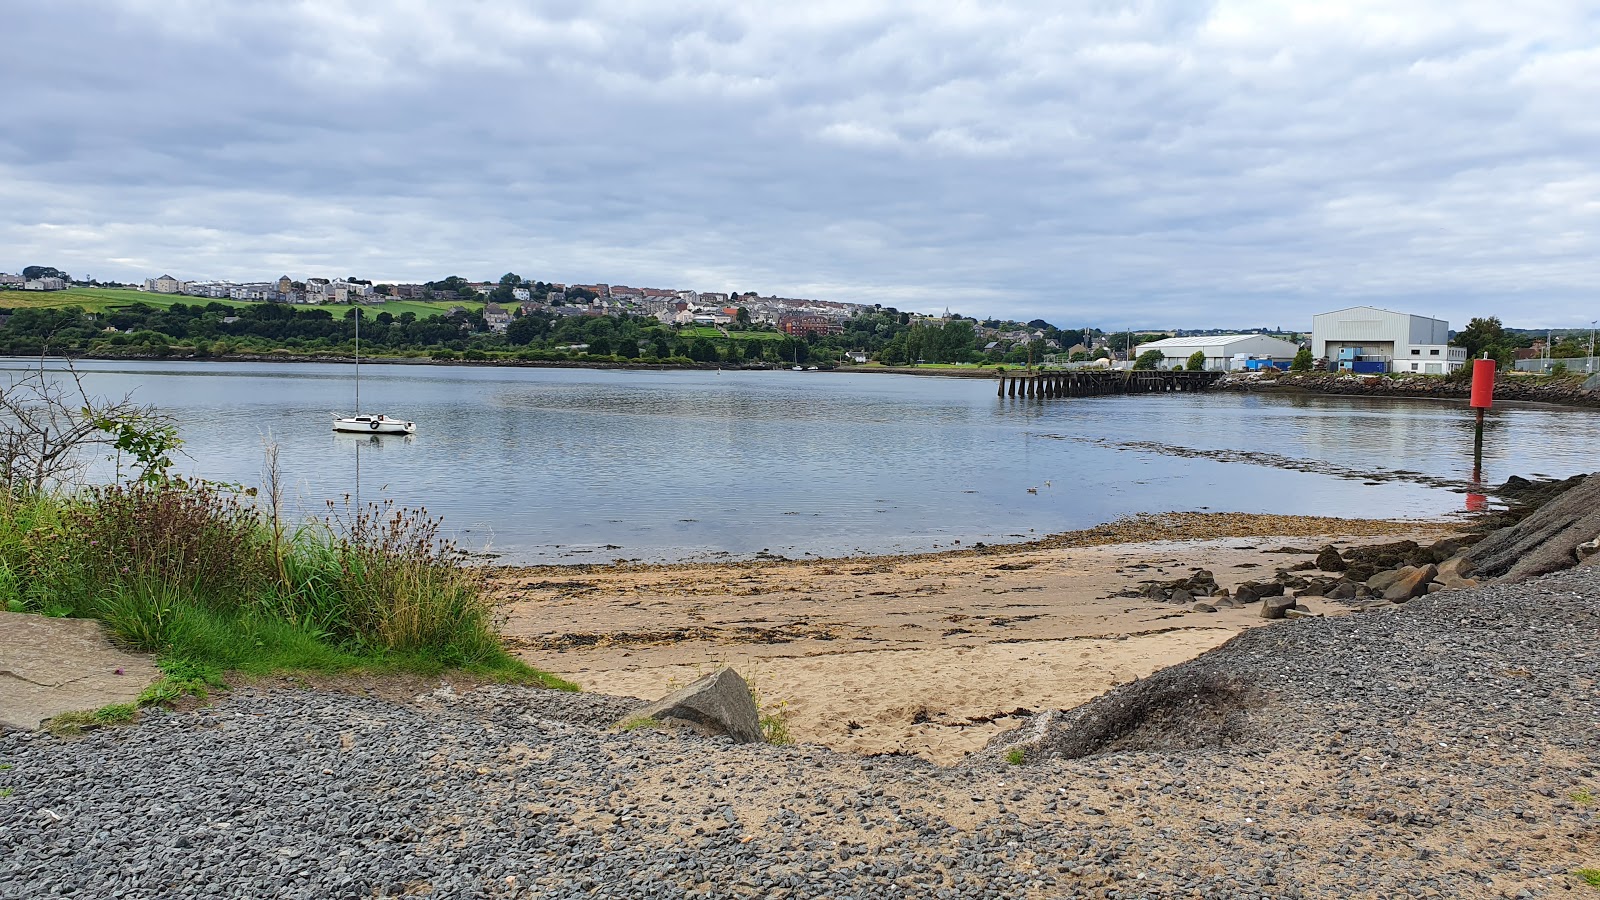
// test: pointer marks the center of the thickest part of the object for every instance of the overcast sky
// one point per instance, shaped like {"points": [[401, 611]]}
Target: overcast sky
{"points": [[1100, 163]]}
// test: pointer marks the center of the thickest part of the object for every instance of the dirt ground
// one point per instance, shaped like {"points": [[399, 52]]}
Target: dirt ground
{"points": [[930, 654]]}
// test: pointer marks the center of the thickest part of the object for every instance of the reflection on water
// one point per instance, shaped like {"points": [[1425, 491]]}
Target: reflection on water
{"points": [[567, 464]]}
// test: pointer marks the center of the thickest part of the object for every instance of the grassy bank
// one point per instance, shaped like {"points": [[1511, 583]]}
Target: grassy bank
{"points": [[211, 583]]}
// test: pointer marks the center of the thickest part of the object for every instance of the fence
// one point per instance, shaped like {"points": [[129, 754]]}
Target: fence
{"points": [[1586, 364]]}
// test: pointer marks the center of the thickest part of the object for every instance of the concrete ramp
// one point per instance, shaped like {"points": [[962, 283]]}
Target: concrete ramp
{"points": [[52, 666]]}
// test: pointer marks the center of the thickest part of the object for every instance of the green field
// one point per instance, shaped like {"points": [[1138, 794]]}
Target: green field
{"points": [[102, 299], [707, 331]]}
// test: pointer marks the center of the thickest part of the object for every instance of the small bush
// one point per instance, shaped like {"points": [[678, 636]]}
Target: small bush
{"points": [[1015, 756]]}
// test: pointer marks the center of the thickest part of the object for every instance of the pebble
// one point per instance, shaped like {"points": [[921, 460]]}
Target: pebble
{"points": [[1432, 751]]}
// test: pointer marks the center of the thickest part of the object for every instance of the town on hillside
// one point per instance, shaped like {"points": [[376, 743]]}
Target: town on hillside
{"points": [[1361, 339]]}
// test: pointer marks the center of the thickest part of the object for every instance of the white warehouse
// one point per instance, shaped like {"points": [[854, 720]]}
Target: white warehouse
{"points": [[1221, 350], [1383, 340]]}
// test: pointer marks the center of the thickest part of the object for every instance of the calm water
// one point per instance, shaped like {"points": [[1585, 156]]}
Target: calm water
{"points": [[544, 465]]}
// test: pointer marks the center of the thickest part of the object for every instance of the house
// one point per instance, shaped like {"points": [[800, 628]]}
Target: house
{"points": [[45, 284], [857, 356], [1222, 351], [1371, 339], [12, 280], [806, 324], [496, 317], [166, 284]]}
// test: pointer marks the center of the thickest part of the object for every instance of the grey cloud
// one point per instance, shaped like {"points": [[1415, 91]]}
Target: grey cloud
{"points": [[1152, 163]]}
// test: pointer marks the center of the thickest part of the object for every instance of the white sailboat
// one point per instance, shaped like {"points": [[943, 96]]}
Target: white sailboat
{"points": [[367, 423]]}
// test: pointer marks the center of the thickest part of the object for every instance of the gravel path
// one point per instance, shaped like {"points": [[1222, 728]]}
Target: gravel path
{"points": [[1442, 749]]}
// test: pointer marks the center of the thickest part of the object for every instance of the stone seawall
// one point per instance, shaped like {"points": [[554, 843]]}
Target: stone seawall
{"points": [[1568, 391]]}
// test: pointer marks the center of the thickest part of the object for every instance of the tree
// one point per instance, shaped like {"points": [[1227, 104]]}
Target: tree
{"points": [[1197, 361], [1079, 356], [1482, 335], [1148, 359], [1102, 353], [47, 420], [33, 272], [742, 316]]}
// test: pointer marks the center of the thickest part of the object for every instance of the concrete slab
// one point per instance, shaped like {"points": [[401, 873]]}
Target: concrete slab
{"points": [[51, 666]]}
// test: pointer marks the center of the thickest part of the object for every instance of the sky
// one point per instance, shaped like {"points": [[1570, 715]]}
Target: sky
{"points": [[1145, 164]]}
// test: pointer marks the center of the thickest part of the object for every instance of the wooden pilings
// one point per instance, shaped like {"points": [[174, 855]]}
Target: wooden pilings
{"points": [[1098, 382]]}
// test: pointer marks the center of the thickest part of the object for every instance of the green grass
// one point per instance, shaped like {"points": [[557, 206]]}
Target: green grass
{"points": [[706, 331], [99, 300], [75, 723], [1582, 797], [1590, 877], [1015, 756], [205, 581]]}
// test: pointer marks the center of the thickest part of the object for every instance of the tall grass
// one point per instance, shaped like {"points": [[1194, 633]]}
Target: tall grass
{"points": [[202, 576]]}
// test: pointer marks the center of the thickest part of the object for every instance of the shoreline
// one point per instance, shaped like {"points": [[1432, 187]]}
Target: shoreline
{"points": [[927, 654], [1519, 390]]}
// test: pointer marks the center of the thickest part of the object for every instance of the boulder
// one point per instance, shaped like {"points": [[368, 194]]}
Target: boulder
{"points": [[1344, 590], [1204, 607], [1275, 607], [1329, 560], [1182, 596], [1545, 541], [1381, 581], [1412, 581], [1453, 573], [719, 703]]}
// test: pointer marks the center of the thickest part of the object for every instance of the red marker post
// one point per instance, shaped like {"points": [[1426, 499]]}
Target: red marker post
{"points": [[1482, 399]]}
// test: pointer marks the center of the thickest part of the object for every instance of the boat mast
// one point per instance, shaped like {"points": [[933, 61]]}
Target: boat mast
{"points": [[358, 363]]}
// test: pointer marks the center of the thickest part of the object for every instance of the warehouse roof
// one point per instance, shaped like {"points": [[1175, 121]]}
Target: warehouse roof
{"points": [[1204, 340]]}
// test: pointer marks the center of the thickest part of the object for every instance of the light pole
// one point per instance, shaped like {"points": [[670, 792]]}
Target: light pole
{"points": [[1589, 364]]}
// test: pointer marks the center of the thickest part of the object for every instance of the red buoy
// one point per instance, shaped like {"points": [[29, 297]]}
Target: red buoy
{"points": [[1482, 383]]}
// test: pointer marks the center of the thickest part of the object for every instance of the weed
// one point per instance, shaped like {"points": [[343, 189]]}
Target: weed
{"points": [[640, 722], [75, 723], [1015, 756], [775, 728], [1590, 877], [6, 792], [1582, 797]]}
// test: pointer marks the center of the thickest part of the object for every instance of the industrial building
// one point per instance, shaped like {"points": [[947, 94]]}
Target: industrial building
{"points": [[1368, 339], [1224, 352]]}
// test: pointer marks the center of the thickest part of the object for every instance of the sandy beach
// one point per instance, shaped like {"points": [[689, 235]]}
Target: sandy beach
{"points": [[931, 654]]}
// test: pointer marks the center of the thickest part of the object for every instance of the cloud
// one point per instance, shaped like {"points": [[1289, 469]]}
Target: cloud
{"points": [[1134, 163]]}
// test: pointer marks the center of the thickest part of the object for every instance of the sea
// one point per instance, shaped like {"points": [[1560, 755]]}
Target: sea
{"points": [[556, 465]]}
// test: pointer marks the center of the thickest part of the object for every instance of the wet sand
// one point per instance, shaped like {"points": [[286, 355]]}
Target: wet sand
{"points": [[930, 654]]}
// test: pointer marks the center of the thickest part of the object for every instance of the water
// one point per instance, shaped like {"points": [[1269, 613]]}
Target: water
{"points": [[573, 465]]}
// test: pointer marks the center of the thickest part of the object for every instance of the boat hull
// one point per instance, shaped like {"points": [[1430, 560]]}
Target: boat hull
{"points": [[374, 425]]}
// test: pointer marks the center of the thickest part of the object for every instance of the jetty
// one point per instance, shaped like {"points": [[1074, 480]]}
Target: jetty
{"points": [[1094, 383]]}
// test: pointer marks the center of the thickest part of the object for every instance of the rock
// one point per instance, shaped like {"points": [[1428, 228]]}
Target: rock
{"points": [[1545, 541], [1275, 607], [1434, 587], [1299, 613], [1381, 581], [1344, 590], [1453, 573], [1442, 550], [719, 702], [1412, 581], [1329, 560], [1204, 607], [1226, 602], [1182, 596], [1251, 591]]}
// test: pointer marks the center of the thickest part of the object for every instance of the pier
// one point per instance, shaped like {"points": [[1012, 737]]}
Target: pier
{"points": [[1094, 383]]}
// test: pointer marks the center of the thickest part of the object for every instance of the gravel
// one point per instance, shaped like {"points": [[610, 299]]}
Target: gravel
{"points": [[1440, 749]]}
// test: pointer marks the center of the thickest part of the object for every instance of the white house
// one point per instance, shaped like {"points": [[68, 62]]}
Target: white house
{"points": [[1220, 350], [1400, 341]]}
